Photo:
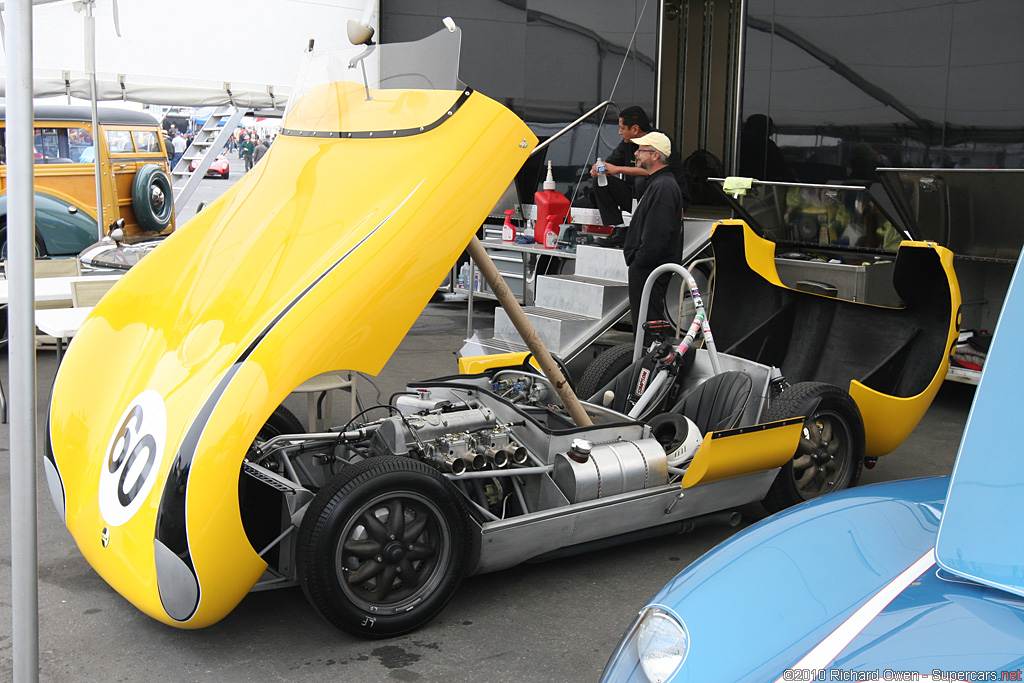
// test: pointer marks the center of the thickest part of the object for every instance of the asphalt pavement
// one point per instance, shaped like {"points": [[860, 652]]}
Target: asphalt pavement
{"points": [[551, 621]]}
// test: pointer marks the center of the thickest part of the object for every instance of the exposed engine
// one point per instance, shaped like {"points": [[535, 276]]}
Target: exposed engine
{"points": [[453, 440], [458, 438]]}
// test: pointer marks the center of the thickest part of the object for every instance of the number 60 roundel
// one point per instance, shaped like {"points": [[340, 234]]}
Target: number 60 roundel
{"points": [[133, 458]]}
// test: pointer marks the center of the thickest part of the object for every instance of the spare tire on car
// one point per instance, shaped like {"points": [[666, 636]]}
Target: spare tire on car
{"points": [[152, 198]]}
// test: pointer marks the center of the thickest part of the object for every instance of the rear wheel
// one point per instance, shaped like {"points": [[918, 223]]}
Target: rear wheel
{"points": [[40, 248], [606, 367], [383, 546], [830, 454]]}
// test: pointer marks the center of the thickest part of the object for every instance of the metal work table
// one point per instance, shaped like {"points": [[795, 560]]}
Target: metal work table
{"points": [[526, 263]]}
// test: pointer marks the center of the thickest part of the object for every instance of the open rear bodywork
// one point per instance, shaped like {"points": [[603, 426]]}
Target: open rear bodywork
{"points": [[891, 360]]}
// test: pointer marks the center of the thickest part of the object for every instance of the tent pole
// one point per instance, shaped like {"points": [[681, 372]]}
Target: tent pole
{"points": [[21, 345], [90, 65]]}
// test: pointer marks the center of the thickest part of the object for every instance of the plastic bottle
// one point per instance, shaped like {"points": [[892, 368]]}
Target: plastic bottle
{"points": [[463, 274], [508, 230], [549, 237], [602, 173], [550, 203]]}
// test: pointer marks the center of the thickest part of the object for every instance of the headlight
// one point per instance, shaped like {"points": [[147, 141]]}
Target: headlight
{"points": [[653, 648], [661, 644]]}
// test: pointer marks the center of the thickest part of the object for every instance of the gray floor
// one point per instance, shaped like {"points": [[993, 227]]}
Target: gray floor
{"points": [[554, 621]]}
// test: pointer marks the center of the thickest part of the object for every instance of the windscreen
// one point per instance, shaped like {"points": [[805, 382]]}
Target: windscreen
{"points": [[817, 215], [973, 212], [393, 89]]}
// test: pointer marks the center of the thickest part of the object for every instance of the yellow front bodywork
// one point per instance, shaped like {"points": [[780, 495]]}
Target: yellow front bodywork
{"points": [[320, 258]]}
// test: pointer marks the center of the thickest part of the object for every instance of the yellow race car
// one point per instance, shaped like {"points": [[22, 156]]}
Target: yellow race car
{"points": [[186, 486]]}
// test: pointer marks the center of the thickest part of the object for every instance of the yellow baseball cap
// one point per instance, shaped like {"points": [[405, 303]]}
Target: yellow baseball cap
{"points": [[658, 141]]}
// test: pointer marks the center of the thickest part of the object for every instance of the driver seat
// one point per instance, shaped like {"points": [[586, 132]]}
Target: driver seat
{"points": [[717, 403]]}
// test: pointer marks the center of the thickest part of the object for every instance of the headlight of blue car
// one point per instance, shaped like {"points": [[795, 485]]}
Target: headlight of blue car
{"points": [[653, 649]]}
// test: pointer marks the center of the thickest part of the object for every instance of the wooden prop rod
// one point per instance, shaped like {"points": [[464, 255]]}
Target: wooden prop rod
{"points": [[533, 341]]}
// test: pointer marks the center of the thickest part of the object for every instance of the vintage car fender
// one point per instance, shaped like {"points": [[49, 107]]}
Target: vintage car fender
{"points": [[868, 599], [320, 258], [64, 227], [758, 603]]}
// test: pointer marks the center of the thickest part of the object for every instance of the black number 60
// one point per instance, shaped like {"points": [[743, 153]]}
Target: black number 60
{"points": [[133, 446]]}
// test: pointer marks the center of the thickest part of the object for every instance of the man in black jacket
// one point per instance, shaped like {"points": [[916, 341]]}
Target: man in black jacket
{"points": [[655, 234], [617, 196]]}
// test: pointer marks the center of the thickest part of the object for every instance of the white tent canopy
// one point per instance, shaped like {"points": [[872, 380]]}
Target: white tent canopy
{"points": [[186, 53], [156, 90]]}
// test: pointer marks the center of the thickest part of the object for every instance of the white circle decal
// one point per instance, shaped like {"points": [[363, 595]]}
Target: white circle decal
{"points": [[133, 458]]}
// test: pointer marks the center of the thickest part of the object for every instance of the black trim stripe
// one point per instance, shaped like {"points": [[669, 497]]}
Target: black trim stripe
{"points": [[380, 134], [757, 428], [171, 526]]}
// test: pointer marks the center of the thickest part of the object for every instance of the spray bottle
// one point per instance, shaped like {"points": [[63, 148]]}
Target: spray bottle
{"points": [[508, 230]]}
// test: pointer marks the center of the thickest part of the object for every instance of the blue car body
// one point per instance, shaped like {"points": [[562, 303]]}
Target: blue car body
{"points": [[912, 580]]}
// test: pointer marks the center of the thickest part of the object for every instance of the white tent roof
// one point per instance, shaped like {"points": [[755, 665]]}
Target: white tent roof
{"points": [[188, 53]]}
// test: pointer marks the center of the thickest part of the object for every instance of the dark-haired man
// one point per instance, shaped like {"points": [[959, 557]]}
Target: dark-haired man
{"points": [[617, 196]]}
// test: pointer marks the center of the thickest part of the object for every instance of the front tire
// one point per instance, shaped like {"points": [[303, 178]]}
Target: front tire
{"points": [[383, 546], [281, 421], [830, 455]]}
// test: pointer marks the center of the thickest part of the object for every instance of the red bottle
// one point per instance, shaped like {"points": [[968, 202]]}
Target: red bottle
{"points": [[553, 205], [508, 230]]}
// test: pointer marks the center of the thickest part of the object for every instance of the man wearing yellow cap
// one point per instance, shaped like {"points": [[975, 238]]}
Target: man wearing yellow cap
{"points": [[655, 234]]}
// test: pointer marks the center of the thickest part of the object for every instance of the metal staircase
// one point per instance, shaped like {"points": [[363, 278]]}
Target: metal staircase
{"points": [[571, 311], [206, 145]]}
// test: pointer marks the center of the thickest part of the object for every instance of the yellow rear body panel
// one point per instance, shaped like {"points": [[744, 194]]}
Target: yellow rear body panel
{"points": [[888, 420], [743, 451]]}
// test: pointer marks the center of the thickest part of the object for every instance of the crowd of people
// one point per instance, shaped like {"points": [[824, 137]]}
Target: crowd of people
{"points": [[248, 142]]}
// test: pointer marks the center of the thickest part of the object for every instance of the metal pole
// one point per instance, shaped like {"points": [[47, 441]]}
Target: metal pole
{"points": [[22, 340], [90, 67], [741, 56], [525, 328]]}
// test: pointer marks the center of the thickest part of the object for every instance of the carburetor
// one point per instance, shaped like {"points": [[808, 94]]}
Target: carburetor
{"points": [[451, 441]]}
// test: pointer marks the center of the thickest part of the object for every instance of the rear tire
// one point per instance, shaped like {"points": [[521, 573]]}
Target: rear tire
{"points": [[383, 547], [603, 369], [40, 249], [830, 455]]}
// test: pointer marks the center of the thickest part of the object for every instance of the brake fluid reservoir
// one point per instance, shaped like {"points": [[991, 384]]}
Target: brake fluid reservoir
{"points": [[610, 468]]}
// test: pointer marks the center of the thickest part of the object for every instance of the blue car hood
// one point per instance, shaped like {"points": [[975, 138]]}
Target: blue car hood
{"points": [[762, 622], [982, 532]]}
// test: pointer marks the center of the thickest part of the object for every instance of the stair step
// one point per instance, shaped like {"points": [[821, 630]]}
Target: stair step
{"points": [[558, 329], [601, 262], [589, 296], [501, 346]]}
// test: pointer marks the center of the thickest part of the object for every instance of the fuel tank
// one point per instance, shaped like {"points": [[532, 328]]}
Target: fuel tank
{"points": [[320, 258]]}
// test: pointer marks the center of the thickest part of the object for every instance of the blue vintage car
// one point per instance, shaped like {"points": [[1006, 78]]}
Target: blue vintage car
{"points": [[913, 580]]}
